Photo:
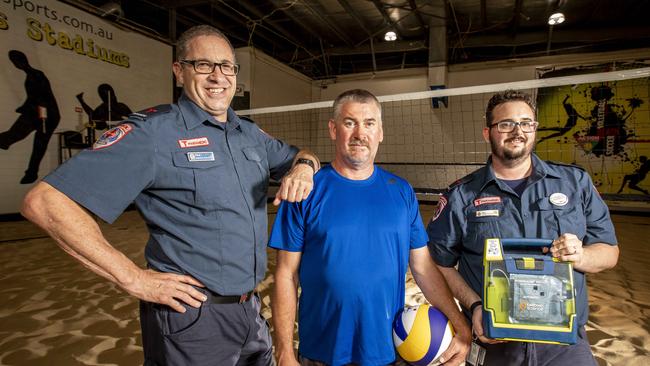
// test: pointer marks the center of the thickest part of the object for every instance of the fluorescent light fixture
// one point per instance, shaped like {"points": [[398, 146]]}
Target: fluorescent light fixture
{"points": [[111, 8], [556, 18], [390, 36]]}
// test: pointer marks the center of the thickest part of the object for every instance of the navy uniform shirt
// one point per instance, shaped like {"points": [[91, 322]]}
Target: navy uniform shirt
{"points": [[479, 206], [201, 186]]}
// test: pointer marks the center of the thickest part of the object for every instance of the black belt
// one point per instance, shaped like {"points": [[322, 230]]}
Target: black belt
{"points": [[233, 299]]}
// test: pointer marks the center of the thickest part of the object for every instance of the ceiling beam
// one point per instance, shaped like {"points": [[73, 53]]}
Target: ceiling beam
{"points": [[274, 26], [222, 26], [559, 35], [380, 6], [181, 3], [333, 27], [516, 16], [383, 47], [353, 13], [309, 27], [414, 8], [484, 21]]}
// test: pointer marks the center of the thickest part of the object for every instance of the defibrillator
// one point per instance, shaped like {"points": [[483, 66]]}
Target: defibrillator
{"points": [[528, 296]]}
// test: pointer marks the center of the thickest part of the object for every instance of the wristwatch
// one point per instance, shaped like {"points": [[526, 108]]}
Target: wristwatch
{"points": [[306, 161]]}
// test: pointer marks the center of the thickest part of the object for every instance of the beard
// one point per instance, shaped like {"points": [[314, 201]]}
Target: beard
{"points": [[510, 156]]}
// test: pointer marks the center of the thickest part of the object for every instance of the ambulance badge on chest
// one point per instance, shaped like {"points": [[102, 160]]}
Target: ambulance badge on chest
{"points": [[199, 141], [487, 200]]}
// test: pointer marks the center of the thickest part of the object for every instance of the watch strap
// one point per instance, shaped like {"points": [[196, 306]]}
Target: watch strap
{"points": [[306, 161]]}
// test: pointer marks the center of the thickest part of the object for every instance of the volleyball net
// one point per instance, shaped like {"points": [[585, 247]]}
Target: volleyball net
{"points": [[597, 120]]}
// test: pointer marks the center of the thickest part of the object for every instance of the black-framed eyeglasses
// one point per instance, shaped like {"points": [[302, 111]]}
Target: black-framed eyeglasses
{"points": [[207, 67], [509, 126]]}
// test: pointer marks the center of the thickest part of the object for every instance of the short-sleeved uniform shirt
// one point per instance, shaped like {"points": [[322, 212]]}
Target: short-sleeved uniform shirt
{"points": [[355, 237], [200, 185], [480, 206]]}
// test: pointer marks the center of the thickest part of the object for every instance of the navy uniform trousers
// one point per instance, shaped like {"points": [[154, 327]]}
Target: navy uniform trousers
{"points": [[541, 354], [219, 334]]}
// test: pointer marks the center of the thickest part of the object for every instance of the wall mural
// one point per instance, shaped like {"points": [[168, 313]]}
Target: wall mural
{"points": [[39, 113], [110, 110], [61, 73], [603, 127]]}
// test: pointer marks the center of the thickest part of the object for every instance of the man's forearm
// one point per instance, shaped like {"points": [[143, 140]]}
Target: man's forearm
{"points": [[283, 306], [434, 287], [78, 234], [459, 288], [597, 257]]}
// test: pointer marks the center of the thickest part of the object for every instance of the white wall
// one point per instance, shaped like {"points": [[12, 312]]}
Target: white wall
{"points": [[270, 82], [143, 79]]}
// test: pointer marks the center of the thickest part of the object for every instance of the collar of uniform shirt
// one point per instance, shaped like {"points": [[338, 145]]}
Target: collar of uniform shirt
{"points": [[540, 170]]}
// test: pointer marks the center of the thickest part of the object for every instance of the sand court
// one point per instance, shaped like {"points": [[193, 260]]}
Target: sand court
{"points": [[55, 312]]}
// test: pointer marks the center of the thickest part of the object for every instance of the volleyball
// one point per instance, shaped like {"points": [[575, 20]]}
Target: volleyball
{"points": [[421, 334]]}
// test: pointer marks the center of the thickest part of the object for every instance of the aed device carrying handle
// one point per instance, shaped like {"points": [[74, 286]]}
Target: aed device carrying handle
{"points": [[526, 242]]}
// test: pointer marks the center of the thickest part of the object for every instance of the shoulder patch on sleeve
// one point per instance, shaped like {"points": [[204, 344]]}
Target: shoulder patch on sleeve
{"points": [[442, 202], [150, 112], [558, 163], [247, 119], [112, 136], [460, 182]]}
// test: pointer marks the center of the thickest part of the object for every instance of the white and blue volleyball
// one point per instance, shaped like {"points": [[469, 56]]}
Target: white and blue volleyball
{"points": [[421, 334]]}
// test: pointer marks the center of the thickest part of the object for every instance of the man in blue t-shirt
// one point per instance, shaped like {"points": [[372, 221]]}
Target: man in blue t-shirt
{"points": [[348, 245]]}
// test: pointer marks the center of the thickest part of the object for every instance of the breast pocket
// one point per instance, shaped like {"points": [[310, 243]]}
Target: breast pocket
{"points": [[562, 219], [256, 168], [482, 224], [211, 178]]}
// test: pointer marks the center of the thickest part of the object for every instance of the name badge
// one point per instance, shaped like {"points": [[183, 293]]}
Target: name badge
{"points": [[487, 213], [200, 156], [199, 141], [487, 200], [559, 199]]}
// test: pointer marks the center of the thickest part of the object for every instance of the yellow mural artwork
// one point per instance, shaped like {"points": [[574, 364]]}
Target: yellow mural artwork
{"points": [[602, 127]]}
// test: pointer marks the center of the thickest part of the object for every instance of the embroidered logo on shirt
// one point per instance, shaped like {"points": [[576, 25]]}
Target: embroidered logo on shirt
{"points": [[199, 141], [442, 202], [487, 213], [487, 200], [200, 156], [559, 199], [112, 136]]}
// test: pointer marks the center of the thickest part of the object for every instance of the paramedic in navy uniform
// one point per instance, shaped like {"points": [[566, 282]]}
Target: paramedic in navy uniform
{"points": [[517, 195], [199, 176]]}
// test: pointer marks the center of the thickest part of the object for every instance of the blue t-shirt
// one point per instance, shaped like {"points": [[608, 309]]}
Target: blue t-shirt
{"points": [[355, 237]]}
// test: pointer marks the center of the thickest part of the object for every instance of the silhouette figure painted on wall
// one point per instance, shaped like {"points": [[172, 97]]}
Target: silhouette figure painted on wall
{"points": [[572, 120], [38, 113], [633, 179], [109, 110]]}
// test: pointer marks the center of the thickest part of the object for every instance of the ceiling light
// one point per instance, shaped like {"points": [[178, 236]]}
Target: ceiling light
{"points": [[556, 18], [390, 36], [111, 8]]}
